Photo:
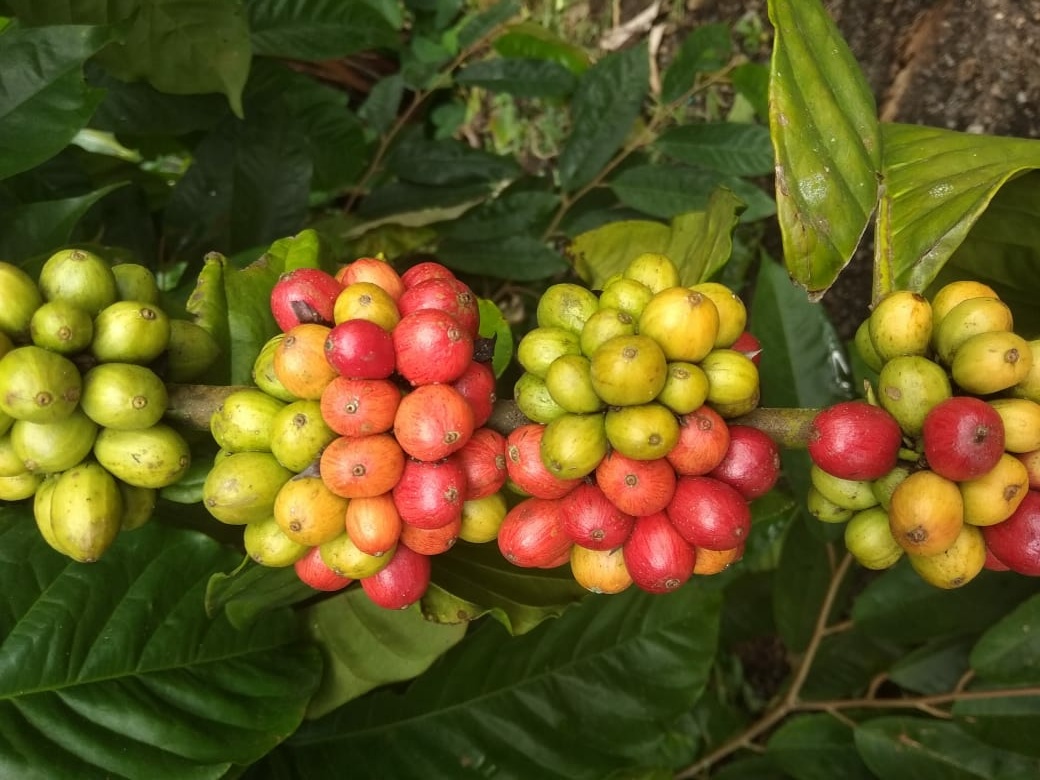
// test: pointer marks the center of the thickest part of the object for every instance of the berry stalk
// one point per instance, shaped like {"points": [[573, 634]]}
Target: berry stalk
{"points": [[193, 405]]}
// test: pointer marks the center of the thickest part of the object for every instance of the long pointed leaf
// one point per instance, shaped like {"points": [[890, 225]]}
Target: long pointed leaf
{"points": [[114, 669], [937, 184], [604, 108], [826, 140], [38, 228], [579, 697]]}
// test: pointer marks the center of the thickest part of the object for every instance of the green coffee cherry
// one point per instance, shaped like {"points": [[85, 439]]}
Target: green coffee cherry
{"points": [[243, 421], [80, 277], [130, 332], [908, 388], [38, 385], [566, 306], [123, 396], [241, 487], [573, 445], [48, 448], [151, 458], [61, 326], [901, 324], [21, 299], [190, 352], [135, 283], [86, 509]]}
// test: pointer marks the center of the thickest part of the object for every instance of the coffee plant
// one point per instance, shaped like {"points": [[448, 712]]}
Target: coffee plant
{"points": [[405, 390]]}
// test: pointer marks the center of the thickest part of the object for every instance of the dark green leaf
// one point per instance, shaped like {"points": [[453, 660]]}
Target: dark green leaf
{"points": [[522, 77], [183, 47], [494, 325], [114, 669], [900, 606], [1003, 250], [729, 147], [937, 184], [749, 768], [248, 185], [315, 30], [751, 80], [758, 204], [139, 109], [527, 40], [706, 48], [480, 25], [1009, 722], [519, 598], [380, 107], [828, 147], [522, 705], [847, 662], [448, 162], [603, 111], [665, 190], [1009, 651], [512, 212], [44, 100], [799, 585], [934, 667], [333, 135], [803, 360], [250, 322], [520, 258], [251, 590], [366, 646], [895, 748], [816, 747], [426, 204], [41, 228]]}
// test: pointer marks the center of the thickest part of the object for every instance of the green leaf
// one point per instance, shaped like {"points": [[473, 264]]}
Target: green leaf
{"points": [[816, 747], [665, 190], [380, 107], [516, 210], [702, 241], [248, 185], [604, 110], [934, 667], [728, 147], [522, 705], [422, 204], [521, 77], [113, 668], [44, 100], [333, 135], [900, 606], [751, 81], [1009, 722], [1007, 652], [40, 228], [315, 30], [1003, 250], [139, 109], [250, 322], [706, 48], [527, 40], [366, 646], [895, 748], [520, 258], [803, 360], [698, 242], [847, 662], [748, 768], [251, 590], [182, 47], [799, 585], [483, 24], [519, 598], [494, 325], [827, 144], [937, 184], [448, 162]]}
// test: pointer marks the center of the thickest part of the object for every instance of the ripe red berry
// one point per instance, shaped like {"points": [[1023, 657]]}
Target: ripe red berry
{"points": [[855, 440], [305, 295], [658, 559], [431, 346], [360, 349], [963, 437], [751, 464], [400, 583]]}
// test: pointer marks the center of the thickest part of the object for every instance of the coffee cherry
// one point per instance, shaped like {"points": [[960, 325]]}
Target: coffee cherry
{"points": [[854, 440], [963, 438]]}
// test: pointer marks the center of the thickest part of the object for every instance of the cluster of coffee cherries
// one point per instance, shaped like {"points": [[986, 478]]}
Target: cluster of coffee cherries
{"points": [[631, 472], [943, 463], [84, 352], [363, 450]]}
